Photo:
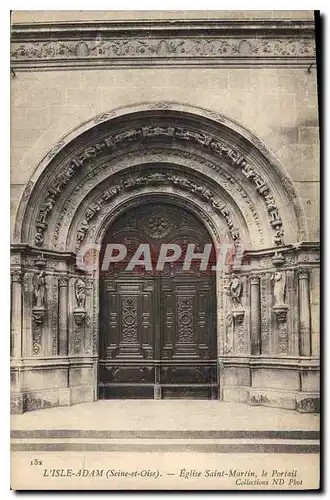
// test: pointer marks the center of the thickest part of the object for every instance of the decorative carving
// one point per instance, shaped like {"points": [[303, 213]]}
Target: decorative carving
{"points": [[15, 259], [255, 315], [278, 259], [281, 313], [282, 337], [80, 292], [178, 133], [46, 208], [27, 190], [279, 280], [38, 314], [129, 320], [238, 316], [228, 342], [309, 405], [170, 48], [160, 105], [63, 280], [235, 291], [254, 279], [31, 402], [54, 312], [79, 316], [104, 116], [148, 351], [290, 259], [40, 261], [303, 273], [158, 225], [39, 289], [279, 236], [79, 312], [239, 332], [16, 276], [95, 330], [55, 149], [264, 306], [185, 319], [280, 310], [78, 332], [265, 263]]}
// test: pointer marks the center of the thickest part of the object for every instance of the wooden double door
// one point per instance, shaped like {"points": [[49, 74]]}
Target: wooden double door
{"points": [[157, 329]]}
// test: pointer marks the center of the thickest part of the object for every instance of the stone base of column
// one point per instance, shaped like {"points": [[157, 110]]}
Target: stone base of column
{"points": [[302, 402], [16, 403], [51, 398], [308, 403], [258, 381]]}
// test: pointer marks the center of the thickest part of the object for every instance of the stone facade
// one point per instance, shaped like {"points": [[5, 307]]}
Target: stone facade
{"points": [[234, 113]]}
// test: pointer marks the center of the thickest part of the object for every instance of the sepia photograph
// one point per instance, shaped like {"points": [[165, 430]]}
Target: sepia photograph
{"points": [[165, 250]]}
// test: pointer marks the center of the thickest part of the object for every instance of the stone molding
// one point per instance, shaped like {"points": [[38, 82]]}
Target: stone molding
{"points": [[146, 43]]}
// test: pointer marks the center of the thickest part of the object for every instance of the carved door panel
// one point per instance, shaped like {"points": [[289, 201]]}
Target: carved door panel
{"points": [[127, 313], [158, 338], [188, 365]]}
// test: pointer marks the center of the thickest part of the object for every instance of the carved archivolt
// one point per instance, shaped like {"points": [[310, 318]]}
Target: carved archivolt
{"points": [[168, 178], [112, 142], [154, 194], [220, 161], [184, 161]]}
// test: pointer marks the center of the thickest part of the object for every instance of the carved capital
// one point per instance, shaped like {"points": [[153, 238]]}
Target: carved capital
{"points": [[303, 273], [63, 281], [17, 276], [254, 280]]}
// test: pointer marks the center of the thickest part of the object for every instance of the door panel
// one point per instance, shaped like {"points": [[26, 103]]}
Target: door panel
{"points": [[127, 330], [183, 335], [188, 350], [157, 329]]}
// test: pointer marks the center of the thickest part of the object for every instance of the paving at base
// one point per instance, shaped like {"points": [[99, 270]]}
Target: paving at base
{"points": [[139, 415]]}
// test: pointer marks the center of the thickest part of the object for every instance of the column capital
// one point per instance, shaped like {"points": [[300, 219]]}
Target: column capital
{"points": [[17, 276], [254, 279], [303, 273], [64, 280]]}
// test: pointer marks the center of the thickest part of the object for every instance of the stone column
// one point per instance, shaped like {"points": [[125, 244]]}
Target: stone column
{"points": [[63, 316], [16, 315], [304, 313], [255, 314]]}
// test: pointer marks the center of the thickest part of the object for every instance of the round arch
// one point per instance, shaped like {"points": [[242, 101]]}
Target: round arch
{"points": [[217, 144]]}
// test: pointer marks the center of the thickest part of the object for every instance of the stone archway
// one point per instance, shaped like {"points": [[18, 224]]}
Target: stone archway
{"points": [[218, 171]]}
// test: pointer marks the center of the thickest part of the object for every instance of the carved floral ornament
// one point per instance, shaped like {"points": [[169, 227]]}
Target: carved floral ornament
{"points": [[155, 47], [111, 143]]}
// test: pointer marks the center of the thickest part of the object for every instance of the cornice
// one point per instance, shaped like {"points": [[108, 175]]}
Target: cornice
{"points": [[183, 27], [162, 43]]}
